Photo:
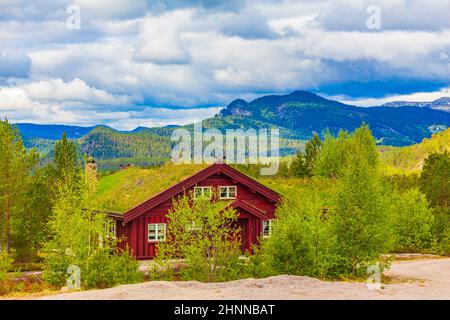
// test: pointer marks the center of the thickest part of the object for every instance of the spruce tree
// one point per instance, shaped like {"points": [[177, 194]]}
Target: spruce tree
{"points": [[16, 164], [304, 162]]}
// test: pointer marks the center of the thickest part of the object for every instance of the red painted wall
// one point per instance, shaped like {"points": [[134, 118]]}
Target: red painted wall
{"points": [[136, 231]]}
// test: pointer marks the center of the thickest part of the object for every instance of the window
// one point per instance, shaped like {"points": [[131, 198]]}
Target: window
{"points": [[156, 232], [267, 227], [113, 230], [228, 192], [203, 192]]}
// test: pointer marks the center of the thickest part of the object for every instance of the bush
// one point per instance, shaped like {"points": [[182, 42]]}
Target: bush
{"points": [[299, 242], [55, 268], [359, 220], [413, 223], [5, 264], [81, 238], [105, 269], [204, 233], [442, 230]]}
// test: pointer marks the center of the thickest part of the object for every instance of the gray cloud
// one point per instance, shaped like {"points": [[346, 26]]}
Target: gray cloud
{"points": [[432, 15], [14, 64], [133, 57]]}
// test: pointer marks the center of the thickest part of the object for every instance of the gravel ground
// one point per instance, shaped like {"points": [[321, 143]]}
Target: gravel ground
{"points": [[408, 279]]}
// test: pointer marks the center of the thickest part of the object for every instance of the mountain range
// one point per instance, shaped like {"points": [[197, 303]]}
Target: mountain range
{"points": [[442, 104], [300, 113], [297, 115]]}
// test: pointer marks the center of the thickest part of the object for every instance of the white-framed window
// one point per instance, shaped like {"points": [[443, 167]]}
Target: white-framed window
{"points": [[228, 192], [156, 232], [267, 227], [200, 192], [113, 229]]}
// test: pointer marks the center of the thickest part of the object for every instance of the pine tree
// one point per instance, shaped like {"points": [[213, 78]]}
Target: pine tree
{"points": [[435, 179], [16, 164], [304, 162], [68, 168]]}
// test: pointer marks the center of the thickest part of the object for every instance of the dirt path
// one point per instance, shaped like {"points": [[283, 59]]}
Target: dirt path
{"points": [[419, 279]]}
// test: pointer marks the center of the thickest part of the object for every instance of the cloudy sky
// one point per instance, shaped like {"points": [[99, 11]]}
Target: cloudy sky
{"points": [[131, 63]]}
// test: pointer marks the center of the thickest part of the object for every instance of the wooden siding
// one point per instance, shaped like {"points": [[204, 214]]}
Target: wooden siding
{"points": [[136, 230]]}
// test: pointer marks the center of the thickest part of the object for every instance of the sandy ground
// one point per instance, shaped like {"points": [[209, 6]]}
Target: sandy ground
{"points": [[407, 279]]}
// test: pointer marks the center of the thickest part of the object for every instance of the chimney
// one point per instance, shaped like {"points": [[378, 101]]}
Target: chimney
{"points": [[91, 174]]}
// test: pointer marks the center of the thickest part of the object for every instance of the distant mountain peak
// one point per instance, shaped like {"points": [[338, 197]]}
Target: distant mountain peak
{"points": [[236, 108], [441, 101], [442, 104], [240, 107]]}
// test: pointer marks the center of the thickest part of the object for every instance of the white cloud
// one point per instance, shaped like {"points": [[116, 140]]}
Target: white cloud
{"points": [[202, 53], [414, 97], [161, 38], [75, 90]]}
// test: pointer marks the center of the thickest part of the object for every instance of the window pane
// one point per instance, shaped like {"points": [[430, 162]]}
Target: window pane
{"points": [[152, 232], [223, 192], [232, 192], [266, 228]]}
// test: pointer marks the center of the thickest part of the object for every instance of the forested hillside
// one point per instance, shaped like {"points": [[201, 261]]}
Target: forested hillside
{"points": [[143, 148], [301, 113], [410, 159]]}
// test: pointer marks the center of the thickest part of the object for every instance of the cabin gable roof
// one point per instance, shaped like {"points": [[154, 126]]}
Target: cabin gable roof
{"points": [[195, 179]]}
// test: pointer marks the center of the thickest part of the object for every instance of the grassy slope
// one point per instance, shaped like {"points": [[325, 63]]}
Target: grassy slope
{"points": [[125, 189], [410, 159]]}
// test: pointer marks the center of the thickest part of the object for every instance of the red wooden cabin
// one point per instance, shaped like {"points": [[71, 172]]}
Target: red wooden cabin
{"points": [[145, 225]]}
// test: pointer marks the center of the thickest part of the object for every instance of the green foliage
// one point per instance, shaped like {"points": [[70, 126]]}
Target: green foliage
{"points": [[442, 229], [337, 152], [407, 160], [413, 222], [360, 217], [105, 143], [80, 237], [5, 264], [30, 227], [67, 164], [204, 233], [304, 163], [66, 158], [435, 179], [106, 268], [300, 241], [16, 165]]}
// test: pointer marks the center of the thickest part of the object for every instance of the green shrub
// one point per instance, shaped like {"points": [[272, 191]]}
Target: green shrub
{"points": [[413, 223], [359, 219], [55, 268], [442, 229], [299, 242], [204, 233], [5, 264], [126, 268]]}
